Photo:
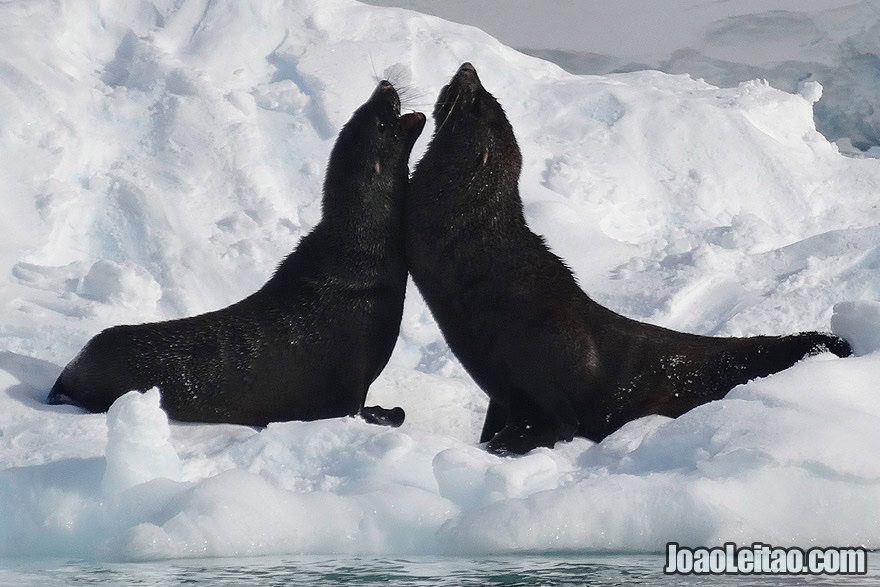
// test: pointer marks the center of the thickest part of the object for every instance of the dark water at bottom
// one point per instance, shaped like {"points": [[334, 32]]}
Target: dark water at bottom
{"points": [[606, 569]]}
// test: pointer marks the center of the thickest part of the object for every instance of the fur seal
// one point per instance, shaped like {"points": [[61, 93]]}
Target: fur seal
{"points": [[308, 344], [554, 363]]}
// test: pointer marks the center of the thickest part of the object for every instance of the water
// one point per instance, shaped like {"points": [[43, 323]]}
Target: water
{"points": [[593, 569]]}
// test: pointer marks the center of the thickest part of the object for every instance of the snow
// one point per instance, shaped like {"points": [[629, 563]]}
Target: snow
{"points": [[788, 42], [138, 443], [162, 157]]}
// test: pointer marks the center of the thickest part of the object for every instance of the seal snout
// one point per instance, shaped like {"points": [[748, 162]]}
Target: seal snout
{"points": [[385, 92], [466, 75], [465, 84], [463, 90], [467, 66]]}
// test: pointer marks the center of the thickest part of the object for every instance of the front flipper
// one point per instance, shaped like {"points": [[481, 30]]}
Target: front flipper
{"points": [[382, 416], [529, 421], [518, 438], [496, 418]]}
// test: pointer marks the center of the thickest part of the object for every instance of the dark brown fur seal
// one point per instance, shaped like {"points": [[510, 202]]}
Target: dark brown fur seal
{"points": [[310, 342], [554, 363]]}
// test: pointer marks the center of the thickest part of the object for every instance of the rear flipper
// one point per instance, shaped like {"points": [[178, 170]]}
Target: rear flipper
{"points": [[824, 342], [382, 416]]}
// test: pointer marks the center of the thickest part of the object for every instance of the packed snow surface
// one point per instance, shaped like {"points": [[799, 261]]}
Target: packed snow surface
{"points": [[161, 157]]}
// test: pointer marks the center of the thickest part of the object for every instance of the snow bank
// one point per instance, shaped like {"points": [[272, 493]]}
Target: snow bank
{"points": [[162, 157], [788, 42]]}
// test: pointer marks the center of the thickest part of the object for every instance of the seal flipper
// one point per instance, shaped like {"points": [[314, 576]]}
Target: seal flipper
{"points": [[496, 419], [528, 425], [382, 416], [519, 437], [693, 377], [824, 342], [762, 356]]}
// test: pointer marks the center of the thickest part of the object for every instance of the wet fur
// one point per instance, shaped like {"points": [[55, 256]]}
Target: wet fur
{"points": [[310, 342], [554, 363]]}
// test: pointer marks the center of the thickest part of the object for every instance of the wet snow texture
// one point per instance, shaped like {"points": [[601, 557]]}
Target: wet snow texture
{"points": [[161, 157]]}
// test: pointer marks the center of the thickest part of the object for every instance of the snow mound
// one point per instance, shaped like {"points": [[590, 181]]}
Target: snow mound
{"points": [[128, 285], [162, 157], [138, 443], [859, 323]]}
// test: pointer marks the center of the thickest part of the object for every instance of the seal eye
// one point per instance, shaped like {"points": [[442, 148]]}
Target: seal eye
{"points": [[381, 126]]}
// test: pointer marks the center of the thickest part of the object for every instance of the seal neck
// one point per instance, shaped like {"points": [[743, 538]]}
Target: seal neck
{"points": [[366, 212], [484, 187]]}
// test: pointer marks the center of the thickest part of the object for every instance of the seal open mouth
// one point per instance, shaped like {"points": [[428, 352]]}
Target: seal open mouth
{"points": [[412, 124]]}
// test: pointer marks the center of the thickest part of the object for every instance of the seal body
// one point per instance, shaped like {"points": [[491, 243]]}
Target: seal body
{"points": [[309, 343], [554, 363]]}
